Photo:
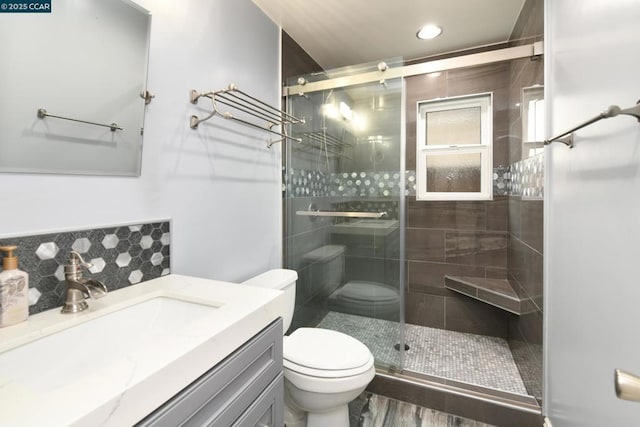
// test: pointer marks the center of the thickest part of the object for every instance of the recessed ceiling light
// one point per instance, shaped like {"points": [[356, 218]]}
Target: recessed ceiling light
{"points": [[429, 32]]}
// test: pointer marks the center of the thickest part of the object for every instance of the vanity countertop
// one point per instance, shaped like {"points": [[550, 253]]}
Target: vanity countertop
{"points": [[37, 388]]}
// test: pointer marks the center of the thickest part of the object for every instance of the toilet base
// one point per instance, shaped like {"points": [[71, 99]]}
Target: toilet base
{"points": [[338, 417], [293, 416], [324, 413]]}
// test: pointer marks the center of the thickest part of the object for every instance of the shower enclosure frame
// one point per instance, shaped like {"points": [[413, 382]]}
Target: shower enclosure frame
{"points": [[383, 73], [482, 58]]}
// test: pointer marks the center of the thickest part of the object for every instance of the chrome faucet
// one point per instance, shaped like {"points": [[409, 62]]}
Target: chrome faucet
{"points": [[79, 288]]}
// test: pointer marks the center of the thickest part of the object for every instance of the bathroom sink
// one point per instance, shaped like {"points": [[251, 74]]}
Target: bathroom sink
{"points": [[130, 352], [123, 335]]}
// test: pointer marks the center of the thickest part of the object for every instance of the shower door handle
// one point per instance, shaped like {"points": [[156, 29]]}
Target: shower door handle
{"points": [[627, 386], [343, 214]]}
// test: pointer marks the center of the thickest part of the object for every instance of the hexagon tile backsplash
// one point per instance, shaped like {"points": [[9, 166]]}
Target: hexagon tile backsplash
{"points": [[121, 256]]}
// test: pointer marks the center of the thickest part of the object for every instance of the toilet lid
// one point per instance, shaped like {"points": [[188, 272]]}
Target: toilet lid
{"points": [[324, 349], [368, 291]]}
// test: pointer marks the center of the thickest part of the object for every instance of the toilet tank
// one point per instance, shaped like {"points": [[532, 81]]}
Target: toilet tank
{"points": [[326, 265], [280, 279]]}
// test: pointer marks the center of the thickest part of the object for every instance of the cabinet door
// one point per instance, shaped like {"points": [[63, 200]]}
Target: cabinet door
{"points": [[268, 410], [223, 394]]}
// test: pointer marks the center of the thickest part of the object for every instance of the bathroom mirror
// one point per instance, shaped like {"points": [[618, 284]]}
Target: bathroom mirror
{"points": [[71, 84], [532, 113]]}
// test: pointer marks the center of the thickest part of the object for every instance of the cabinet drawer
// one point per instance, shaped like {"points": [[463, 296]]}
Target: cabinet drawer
{"points": [[221, 395], [268, 410]]}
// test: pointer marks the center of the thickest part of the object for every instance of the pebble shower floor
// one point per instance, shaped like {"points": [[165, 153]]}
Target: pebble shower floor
{"points": [[469, 358]]}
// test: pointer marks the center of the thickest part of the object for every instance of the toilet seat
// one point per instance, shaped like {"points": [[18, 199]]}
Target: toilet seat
{"points": [[323, 353], [328, 373]]}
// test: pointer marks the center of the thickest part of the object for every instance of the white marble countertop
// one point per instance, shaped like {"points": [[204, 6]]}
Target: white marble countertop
{"points": [[37, 388]]}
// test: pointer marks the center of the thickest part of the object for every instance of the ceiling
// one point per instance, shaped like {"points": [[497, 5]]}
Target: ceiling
{"points": [[338, 33]]}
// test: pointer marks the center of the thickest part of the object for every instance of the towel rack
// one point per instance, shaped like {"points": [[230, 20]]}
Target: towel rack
{"points": [[42, 113], [246, 107], [613, 111]]}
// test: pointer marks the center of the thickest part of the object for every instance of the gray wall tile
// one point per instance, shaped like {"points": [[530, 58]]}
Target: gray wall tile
{"points": [[425, 310], [498, 214], [447, 215], [428, 277], [532, 223], [471, 316], [476, 248], [425, 245], [526, 268]]}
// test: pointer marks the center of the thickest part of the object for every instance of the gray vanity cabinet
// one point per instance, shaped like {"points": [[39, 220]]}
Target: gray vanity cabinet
{"points": [[246, 389]]}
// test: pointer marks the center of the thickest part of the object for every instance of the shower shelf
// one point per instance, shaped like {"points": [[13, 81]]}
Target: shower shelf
{"points": [[497, 292]]}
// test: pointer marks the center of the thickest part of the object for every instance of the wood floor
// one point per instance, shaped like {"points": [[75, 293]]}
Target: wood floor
{"points": [[372, 410]]}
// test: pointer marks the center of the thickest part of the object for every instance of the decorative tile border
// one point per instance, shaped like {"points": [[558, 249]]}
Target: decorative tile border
{"points": [[368, 184], [410, 184], [121, 256], [307, 183], [501, 181], [526, 178]]}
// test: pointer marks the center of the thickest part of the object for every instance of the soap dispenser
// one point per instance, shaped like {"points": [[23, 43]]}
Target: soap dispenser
{"points": [[14, 289]]}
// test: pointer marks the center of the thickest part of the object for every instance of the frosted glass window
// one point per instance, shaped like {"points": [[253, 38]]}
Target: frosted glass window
{"points": [[532, 115], [454, 173], [454, 148], [453, 127], [535, 120]]}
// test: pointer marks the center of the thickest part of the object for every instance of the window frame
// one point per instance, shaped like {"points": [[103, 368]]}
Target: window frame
{"points": [[535, 147], [485, 148]]}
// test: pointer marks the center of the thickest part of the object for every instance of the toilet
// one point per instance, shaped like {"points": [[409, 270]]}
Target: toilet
{"points": [[323, 370], [359, 297]]}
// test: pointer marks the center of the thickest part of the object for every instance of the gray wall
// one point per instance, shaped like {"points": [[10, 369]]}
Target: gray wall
{"points": [[592, 206], [219, 184]]}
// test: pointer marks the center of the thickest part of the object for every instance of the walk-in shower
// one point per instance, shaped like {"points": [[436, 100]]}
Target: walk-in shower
{"points": [[445, 289]]}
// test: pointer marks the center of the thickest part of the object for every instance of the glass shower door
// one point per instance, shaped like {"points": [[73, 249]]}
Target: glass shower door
{"points": [[343, 202]]}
